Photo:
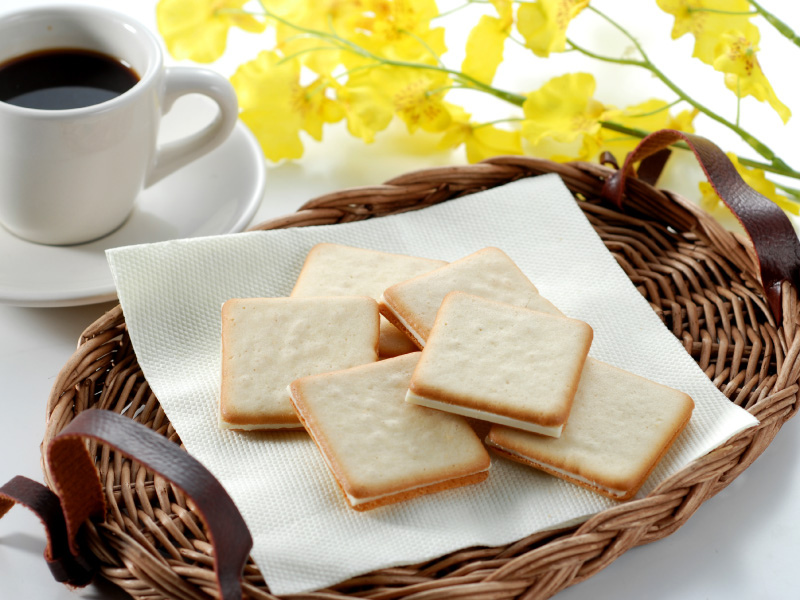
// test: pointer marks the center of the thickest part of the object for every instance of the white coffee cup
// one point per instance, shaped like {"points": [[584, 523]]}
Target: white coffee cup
{"points": [[71, 176]]}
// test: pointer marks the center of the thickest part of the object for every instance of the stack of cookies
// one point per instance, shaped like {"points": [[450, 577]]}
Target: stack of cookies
{"points": [[392, 363]]}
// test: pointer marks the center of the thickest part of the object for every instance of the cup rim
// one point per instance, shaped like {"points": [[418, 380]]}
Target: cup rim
{"points": [[140, 30]]}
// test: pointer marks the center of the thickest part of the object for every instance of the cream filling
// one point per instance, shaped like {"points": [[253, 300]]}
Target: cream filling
{"points": [[403, 322], [354, 501], [257, 426], [566, 474], [554, 431]]}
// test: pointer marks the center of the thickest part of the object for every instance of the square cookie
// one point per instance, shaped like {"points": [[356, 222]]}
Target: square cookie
{"points": [[338, 270], [619, 428], [501, 363], [488, 273], [380, 449], [269, 342]]}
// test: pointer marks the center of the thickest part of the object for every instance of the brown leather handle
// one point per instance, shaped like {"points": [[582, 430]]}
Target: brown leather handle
{"points": [[79, 496], [67, 568], [775, 242]]}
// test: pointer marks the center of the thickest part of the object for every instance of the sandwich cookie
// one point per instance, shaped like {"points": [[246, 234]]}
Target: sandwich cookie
{"points": [[620, 427], [380, 449], [338, 270], [488, 273], [269, 342], [501, 363]]}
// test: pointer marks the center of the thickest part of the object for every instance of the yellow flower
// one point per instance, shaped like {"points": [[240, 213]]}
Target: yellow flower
{"points": [[701, 19], [736, 57], [367, 108], [198, 29], [276, 107], [648, 116], [683, 121], [416, 96], [320, 15], [563, 109], [505, 10], [543, 24], [481, 140], [371, 97], [757, 180], [485, 48], [398, 30]]}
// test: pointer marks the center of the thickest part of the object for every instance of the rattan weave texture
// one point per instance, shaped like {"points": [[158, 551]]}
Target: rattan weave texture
{"points": [[700, 279]]}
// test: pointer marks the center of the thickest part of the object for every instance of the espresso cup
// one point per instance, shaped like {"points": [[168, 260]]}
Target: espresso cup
{"points": [[72, 175]]}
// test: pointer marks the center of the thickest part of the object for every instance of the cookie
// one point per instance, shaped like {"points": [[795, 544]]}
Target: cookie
{"points": [[380, 449], [489, 273], [620, 427], [338, 270], [269, 342], [501, 363]]}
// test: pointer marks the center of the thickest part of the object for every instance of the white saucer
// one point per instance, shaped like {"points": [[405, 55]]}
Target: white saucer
{"points": [[218, 193]]}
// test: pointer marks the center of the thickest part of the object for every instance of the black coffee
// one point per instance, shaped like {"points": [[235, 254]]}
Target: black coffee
{"points": [[63, 78]]}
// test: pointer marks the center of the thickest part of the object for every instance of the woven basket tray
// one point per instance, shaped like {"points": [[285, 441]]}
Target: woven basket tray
{"points": [[701, 281]]}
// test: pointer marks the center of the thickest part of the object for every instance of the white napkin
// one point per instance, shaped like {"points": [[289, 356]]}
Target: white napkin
{"points": [[305, 537]]}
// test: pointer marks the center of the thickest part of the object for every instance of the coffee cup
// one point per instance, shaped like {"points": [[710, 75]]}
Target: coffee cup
{"points": [[78, 141]]}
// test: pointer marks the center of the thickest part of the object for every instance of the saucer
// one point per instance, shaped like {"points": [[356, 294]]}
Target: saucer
{"points": [[218, 193]]}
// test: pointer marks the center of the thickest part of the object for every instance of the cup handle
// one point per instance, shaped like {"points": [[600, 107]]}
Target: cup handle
{"points": [[179, 81]]}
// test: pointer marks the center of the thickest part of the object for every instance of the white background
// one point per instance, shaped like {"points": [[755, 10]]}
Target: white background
{"points": [[744, 543]]}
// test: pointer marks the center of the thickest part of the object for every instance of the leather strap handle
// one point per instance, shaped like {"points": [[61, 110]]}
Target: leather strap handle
{"points": [[79, 496], [67, 568], [775, 242]]}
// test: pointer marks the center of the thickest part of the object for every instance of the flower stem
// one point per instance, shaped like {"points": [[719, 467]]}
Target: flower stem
{"points": [[344, 44], [641, 133], [793, 192], [495, 122], [454, 10], [425, 45], [635, 132], [658, 110], [718, 11], [782, 27], [768, 168], [646, 63], [289, 57], [621, 29]]}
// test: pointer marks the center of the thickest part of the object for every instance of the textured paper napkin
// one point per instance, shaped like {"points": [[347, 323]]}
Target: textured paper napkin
{"points": [[305, 537]]}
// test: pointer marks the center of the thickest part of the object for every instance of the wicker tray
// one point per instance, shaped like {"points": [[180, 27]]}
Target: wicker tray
{"points": [[701, 281]]}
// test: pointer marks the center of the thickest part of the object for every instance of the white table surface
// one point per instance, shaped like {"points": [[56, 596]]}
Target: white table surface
{"points": [[742, 544]]}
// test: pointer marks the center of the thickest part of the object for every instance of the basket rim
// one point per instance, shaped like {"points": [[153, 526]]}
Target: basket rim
{"points": [[749, 443]]}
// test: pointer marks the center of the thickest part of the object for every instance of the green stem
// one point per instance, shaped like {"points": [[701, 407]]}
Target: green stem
{"points": [[793, 192], [425, 45], [445, 88], [646, 63], [349, 72], [782, 27], [717, 11], [658, 110], [289, 57], [621, 29], [635, 132], [344, 44], [608, 59], [768, 167], [453, 10], [640, 133], [519, 43], [508, 120]]}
